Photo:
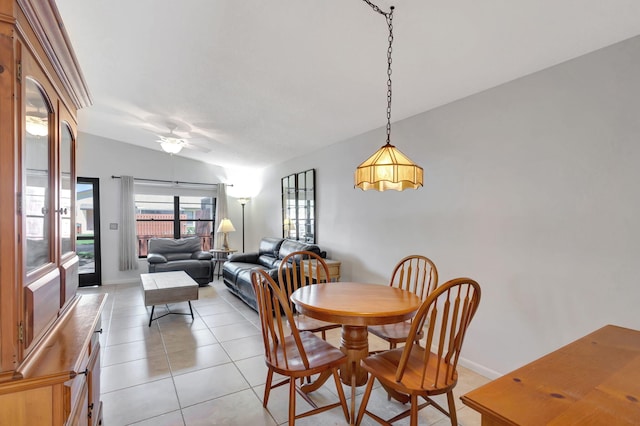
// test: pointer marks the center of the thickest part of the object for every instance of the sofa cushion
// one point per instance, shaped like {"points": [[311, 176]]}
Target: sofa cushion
{"points": [[156, 258], [233, 269], [199, 270], [270, 246], [202, 255], [172, 257], [169, 245], [269, 262], [243, 257], [289, 246]]}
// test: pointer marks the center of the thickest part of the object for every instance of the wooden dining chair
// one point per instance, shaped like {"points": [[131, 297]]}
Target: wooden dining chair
{"points": [[417, 371], [293, 353], [298, 269], [417, 274]]}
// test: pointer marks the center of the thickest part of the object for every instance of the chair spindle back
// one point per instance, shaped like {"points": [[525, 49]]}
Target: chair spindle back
{"points": [[296, 270], [417, 274], [274, 310], [447, 311]]}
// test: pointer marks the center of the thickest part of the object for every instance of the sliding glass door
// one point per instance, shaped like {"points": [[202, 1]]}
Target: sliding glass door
{"points": [[88, 230]]}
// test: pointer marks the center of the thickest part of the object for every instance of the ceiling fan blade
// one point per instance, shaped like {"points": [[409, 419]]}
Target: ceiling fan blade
{"points": [[195, 147]]}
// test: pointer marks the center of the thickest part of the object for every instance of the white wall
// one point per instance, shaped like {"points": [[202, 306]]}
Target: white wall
{"points": [[531, 188], [101, 158]]}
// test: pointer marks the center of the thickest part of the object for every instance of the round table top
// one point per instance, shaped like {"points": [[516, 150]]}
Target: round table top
{"points": [[356, 304]]}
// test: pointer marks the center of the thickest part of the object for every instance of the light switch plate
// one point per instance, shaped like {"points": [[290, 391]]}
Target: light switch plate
{"points": [[113, 226]]}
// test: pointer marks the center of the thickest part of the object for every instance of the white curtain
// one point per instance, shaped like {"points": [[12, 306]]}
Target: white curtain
{"points": [[221, 212], [128, 255]]}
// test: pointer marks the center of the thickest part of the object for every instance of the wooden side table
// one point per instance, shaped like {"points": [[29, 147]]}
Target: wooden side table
{"points": [[334, 270], [219, 257]]}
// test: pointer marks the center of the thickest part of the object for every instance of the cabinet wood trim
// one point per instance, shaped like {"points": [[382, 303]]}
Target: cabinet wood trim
{"points": [[45, 20]]}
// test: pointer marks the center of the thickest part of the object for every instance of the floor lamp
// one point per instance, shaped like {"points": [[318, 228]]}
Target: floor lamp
{"points": [[243, 202]]}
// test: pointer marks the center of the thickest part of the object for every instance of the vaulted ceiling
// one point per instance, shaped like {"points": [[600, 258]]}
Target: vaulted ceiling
{"points": [[254, 82]]}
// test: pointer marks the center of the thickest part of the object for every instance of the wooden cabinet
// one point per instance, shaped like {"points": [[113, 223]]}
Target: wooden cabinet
{"points": [[58, 383], [49, 353]]}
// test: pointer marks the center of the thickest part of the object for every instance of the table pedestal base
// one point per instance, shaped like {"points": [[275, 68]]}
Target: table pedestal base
{"points": [[355, 344]]}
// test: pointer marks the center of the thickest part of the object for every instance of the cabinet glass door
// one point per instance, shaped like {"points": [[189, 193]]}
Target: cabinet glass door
{"points": [[66, 189], [37, 193]]}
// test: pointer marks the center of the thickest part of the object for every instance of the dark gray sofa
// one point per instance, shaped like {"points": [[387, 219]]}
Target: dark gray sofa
{"points": [[236, 272], [167, 254]]}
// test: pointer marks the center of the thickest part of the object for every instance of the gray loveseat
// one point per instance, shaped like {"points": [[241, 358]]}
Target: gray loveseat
{"points": [[167, 254], [236, 272]]}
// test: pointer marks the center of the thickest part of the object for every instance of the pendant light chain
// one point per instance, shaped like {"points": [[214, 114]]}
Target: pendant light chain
{"points": [[389, 17], [388, 168]]}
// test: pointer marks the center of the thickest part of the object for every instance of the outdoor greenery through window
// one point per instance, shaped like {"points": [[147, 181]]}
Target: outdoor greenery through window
{"points": [[168, 216]]}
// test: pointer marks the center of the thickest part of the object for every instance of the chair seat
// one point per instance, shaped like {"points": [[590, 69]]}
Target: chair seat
{"points": [[385, 367], [392, 333], [320, 354], [305, 323]]}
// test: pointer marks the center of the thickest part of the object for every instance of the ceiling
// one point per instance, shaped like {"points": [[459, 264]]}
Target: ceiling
{"points": [[257, 82]]}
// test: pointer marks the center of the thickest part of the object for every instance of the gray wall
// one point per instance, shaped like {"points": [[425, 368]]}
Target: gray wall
{"points": [[101, 158], [531, 188]]}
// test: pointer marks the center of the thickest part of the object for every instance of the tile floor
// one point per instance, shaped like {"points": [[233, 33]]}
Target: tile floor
{"points": [[211, 370]]}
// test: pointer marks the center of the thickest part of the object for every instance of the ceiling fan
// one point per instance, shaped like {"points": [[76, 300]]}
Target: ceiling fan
{"points": [[173, 143]]}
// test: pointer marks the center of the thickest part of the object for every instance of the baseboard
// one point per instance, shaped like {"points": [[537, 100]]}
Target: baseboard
{"points": [[475, 367], [124, 281], [480, 369]]}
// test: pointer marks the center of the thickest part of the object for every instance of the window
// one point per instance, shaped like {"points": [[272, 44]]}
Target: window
{"points": [[156, 217]]}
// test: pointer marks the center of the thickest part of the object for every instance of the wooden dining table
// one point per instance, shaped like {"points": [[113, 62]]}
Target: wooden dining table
{"points": [[592, 381], [355, 306]]}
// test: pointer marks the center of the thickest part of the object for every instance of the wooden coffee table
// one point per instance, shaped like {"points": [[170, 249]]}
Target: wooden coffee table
{"points": [[162, 288]]}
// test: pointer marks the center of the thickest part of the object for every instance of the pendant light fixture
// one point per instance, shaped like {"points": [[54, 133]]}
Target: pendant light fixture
{"points": [[388, 168]]}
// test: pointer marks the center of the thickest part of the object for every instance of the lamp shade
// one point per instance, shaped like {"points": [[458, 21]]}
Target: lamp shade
{"points": [[243, 201], [226, 226], [388, 168]]}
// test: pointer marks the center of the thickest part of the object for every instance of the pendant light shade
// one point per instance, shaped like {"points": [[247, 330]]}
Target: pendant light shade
{"points": [[386, 169]]}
